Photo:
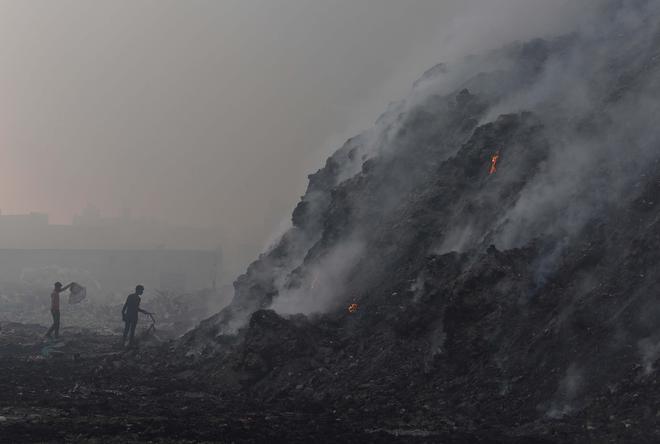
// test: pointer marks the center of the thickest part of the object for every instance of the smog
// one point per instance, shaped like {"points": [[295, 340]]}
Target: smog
{"points": [[362, 221]]}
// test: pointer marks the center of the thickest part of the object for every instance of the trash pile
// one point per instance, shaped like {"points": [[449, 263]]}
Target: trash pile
{"points": [[520, 304]]}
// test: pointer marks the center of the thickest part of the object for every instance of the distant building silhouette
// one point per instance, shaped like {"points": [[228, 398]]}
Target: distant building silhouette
{"points": [[24, 220]]}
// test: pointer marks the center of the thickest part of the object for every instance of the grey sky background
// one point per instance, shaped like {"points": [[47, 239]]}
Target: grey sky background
{"points": [[212, 113]]}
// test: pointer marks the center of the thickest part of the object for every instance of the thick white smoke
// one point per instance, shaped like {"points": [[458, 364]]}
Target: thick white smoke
{"points": [[565, 82]]}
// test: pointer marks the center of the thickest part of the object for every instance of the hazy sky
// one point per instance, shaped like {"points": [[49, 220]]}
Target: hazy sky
{"points": [[212, 113]]}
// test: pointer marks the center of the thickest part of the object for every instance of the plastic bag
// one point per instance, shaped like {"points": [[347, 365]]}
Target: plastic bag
{"points": [[78, 293]]}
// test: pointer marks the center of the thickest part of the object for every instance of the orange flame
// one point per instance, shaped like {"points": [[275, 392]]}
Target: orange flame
{"points": [[352, 308], [493, 163]]}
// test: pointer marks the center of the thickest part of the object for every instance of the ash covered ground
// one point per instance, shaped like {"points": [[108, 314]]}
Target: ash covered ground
{"points": [[511, 306]]}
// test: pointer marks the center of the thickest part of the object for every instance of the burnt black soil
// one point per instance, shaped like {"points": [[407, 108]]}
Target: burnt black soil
{"points": [[85, 388]]}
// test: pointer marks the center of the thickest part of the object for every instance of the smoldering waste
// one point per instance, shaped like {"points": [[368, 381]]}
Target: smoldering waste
{"points": [[499, 299]]}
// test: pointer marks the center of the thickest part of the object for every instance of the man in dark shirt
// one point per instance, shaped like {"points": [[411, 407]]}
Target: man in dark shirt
{"points": [[130, 314]]}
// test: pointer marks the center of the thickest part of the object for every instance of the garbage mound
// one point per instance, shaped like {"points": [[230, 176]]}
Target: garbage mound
{"points": [[497, 232]]}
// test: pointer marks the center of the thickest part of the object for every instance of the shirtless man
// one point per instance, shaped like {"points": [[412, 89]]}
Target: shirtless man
{"points": [[55, 309]]}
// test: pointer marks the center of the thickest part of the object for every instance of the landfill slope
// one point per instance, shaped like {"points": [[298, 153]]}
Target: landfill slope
{"points": [[520, 299]]}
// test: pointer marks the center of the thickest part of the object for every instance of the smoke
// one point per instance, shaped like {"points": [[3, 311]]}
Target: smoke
{"points": [[323, 283], [649, 351], [457, 240], [595, 95], [601, 144], [188, 112], [576, 87], [568, 390]]}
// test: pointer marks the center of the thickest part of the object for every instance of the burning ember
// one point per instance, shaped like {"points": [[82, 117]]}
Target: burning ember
{"points": [[352, 308], [493, 163]]}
